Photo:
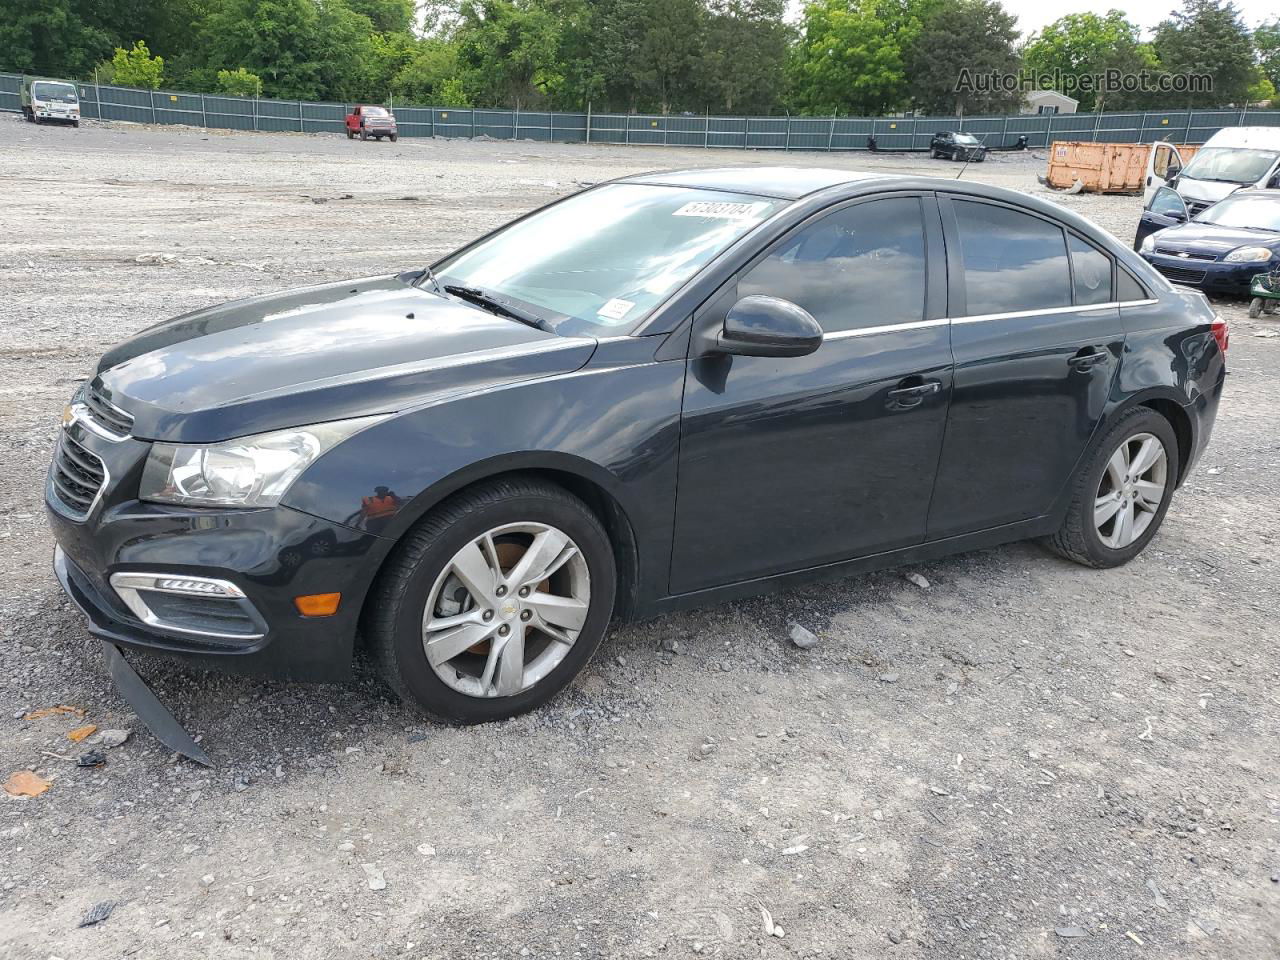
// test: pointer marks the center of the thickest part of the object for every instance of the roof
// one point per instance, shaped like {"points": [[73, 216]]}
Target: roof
{"points": [[785, 183], [1260, 138], [1033, 95]]}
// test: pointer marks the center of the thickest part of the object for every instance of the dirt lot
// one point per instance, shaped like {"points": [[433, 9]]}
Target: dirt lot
{"points": [[1025, 759]]}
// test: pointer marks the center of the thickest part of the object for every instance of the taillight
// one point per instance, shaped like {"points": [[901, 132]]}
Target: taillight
{"points": [[1221, 332]]}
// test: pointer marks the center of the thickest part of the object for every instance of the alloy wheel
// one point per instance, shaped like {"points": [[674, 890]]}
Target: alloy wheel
{"points": [[1131, 491], [506, 609]]}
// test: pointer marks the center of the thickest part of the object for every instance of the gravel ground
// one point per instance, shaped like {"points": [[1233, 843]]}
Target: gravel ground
{"points": [[1023, 758]]}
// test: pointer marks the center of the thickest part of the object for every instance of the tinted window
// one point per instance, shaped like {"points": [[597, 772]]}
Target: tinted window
{"points": [[1012, 261], [1129, 288], [863, 266], [1090, 271]]}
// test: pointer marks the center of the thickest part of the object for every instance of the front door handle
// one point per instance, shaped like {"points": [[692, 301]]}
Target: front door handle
{"points": [[1088, 357], [908, 394]]}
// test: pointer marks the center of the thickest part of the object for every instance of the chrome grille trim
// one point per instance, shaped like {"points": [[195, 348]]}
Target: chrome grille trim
{"points": [[78, 475]]}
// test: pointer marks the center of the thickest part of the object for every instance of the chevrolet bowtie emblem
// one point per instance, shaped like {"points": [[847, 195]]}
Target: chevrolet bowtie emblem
{"points": [[1184, 254]]}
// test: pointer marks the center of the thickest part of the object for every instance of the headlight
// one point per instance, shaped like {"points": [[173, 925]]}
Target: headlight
{"points": [[1248, 255], [1148, 243], [248, 472]]}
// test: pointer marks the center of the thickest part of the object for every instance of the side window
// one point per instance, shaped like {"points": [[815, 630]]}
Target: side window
{"points": [[1090, 272], [1168, 203], [863, 266], [1012, 261], [1128, 289]]}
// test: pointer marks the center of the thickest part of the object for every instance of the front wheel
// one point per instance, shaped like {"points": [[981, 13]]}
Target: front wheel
{"points": [[494, 602], [1121, 494], [1255, 308], [350, 134], [393, 137]]}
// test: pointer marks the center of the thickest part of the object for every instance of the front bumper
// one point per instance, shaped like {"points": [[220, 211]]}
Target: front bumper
{"points": [[269, 555], [1211, 276], [380, 131]]}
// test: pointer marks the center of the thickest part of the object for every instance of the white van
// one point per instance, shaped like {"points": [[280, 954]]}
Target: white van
{"points": [[1232, 158]]}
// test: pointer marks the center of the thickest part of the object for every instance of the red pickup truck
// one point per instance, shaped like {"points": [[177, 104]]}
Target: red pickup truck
{"points": [[376, 122]]}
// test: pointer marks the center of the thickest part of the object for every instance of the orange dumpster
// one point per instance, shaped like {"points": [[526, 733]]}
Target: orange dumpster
{"points": [[1102, 167]]}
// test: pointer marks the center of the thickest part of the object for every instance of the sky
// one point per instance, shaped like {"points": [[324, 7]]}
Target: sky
{"points": [[1034, 14]]}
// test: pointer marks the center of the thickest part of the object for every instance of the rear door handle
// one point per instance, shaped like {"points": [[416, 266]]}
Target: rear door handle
{"points": [[1088, 357]]}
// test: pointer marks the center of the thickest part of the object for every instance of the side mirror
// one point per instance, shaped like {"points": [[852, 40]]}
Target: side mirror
{"points": [[759, 326]]}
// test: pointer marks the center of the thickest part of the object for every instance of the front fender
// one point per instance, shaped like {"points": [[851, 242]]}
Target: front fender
{"points": [[615, 427]]}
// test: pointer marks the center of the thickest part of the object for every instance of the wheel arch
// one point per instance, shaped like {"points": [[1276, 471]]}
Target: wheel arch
{"points": [[588, 482], [1167, 404]]}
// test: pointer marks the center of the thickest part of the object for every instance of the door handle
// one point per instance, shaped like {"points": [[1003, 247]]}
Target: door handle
{"points": [[1088, 358], [908, 395], [920, 390]]}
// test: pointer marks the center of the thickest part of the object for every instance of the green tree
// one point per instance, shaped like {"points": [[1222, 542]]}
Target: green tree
{"points": [[848, 60], [745, 55], [978, 36], [240, 83], [51, 38], [505, 47], [387, 16], [670, 52], [136, 67], [1208, 37], [1267, 39], [431, 76], [1088, 45]]}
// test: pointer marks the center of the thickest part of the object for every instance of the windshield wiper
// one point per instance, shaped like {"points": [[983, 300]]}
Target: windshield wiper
{"points": [[429, 276], [496, 305]]}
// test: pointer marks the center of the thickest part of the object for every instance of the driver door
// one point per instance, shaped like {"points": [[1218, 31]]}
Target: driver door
{"points": [[796, 462], [1163, 164], [1165, 209]]}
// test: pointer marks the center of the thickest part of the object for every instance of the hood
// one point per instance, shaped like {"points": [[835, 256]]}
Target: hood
{"points": [[1206, 191], [320, 353], [1206, 238]]}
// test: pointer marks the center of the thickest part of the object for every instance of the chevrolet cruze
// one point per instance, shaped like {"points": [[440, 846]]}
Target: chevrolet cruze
{"points": [[668, 390]]}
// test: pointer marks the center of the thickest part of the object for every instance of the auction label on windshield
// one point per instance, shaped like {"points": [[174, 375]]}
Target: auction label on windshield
{"points": [[615, 309], [725, 210]]}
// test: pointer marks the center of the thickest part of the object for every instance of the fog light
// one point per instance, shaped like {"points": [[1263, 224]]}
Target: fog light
{"points": [[318, 604]]}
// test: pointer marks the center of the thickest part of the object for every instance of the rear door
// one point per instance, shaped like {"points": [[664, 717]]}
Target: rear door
{"points": [[1036, 333], [1163, 164], [795, 462]]}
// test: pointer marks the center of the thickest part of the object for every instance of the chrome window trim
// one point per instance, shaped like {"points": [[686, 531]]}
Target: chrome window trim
{"points": [[981, 318], [885, 328], [128, 587]]}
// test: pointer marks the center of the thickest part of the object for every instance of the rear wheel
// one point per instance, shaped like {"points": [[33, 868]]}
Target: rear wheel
{"points": [[1121, 493], [1255, 308], [494, 602]]}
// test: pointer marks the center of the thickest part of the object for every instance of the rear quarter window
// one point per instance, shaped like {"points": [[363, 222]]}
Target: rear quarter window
{"points": [[1090, 272]]}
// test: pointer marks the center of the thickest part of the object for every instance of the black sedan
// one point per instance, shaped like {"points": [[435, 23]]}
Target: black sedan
{"points": [[1222, 248], [951, 145], [665, 391]]}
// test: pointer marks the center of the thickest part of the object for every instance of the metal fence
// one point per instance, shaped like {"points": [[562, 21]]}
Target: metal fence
{"points": [[684, 130]]}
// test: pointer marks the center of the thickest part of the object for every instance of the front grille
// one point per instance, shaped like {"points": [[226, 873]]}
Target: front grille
{"points": [[1194, 207], [78, 475], [1166, 252], [1179, 275], [106, 412]]}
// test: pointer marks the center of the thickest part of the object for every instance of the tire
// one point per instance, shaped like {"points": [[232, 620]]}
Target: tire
{"points": [[394, 137], [421, 568], [76, 124], [350, 135], [1255, 308], [1080, 538], [363, 135]]}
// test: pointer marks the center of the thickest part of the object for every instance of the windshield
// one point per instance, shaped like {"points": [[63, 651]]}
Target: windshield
{"points": [[1230, 164], [373, 111], [965, 138], [1249, 211], [601, 261], [63, 92]]}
